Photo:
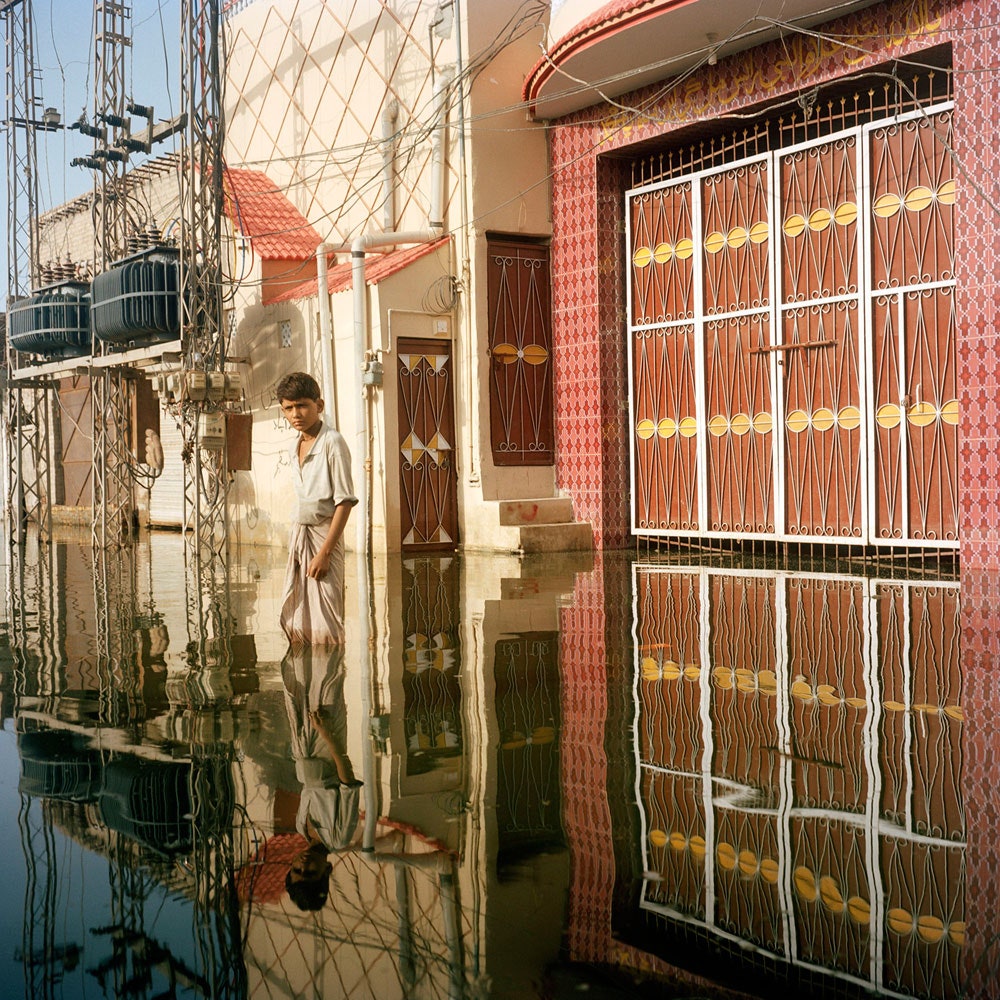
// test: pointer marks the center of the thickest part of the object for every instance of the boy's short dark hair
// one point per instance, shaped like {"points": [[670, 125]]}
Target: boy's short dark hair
{"points": [[297, 385], [308, 894]]}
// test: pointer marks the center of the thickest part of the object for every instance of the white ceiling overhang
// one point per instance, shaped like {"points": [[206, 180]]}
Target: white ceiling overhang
{"points": [[627, 44]]}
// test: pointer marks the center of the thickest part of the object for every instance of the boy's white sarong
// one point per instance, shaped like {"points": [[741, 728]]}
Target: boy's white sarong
{"points": [[312, 611]]}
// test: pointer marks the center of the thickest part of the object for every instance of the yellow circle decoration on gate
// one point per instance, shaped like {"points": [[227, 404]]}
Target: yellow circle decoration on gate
{"points": [[797, 421], [748, 863], [769, 870], [899, 920], [737, 237], [667, 427], [650, 669], [741, 424], [805, 883], [506, 354], [820, 219], [657, 838], [829, 893], [645, 429], [718, 425], [795, 225], [918, 198], [823, 419], [956, 932], [921, 414], [947, 193], [930, 929], [859, 909], [763, 423], [726, 854], [845, 213], [662, 252], [642, 256], [678, 841], [684, 249], [688, 427], [697, 845], [849, 418], [759, 232], [535, 354], [886, 205], [715, 242], [949, 412], [888, 416]]}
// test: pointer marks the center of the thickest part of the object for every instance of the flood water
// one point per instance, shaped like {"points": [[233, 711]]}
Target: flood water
{"points": [[601, 775]]}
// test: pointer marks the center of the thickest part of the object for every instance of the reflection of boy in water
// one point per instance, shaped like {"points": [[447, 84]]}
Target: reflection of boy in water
{"points": [[329, 802]]}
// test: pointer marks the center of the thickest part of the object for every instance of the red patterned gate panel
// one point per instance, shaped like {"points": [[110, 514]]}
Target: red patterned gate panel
{"points": [[915, 408], [737, 330], [820, 346], [427, 484], [522, 429], [665, 425]]}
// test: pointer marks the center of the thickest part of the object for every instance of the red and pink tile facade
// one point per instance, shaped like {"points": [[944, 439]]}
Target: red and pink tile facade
{"points": [[590, 350]]}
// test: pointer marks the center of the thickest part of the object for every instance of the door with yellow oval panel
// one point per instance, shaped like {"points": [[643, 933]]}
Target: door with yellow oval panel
{"points": [[522, 428], [792, 344], [820, 347], [915, 387]]}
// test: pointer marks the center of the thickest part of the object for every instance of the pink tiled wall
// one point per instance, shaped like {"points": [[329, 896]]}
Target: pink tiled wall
{"points": [[591, 374], [588, 245]]}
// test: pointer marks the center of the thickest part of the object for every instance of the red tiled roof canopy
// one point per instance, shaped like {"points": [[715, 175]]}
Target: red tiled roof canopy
{"points": [[377, 269], [261, 212]]}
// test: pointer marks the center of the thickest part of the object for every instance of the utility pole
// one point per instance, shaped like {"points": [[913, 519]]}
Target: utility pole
{"points": [[26, 419]]}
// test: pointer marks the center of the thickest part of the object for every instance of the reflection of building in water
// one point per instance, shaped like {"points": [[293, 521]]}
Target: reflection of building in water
{"points": [[466, 725], [126, 749], [798, 768]]}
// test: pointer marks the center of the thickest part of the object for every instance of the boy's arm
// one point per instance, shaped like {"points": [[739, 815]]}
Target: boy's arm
{"points": [[320, 562]]}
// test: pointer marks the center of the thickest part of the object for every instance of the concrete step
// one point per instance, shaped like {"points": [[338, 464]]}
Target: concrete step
{"points": [[545, 510], [568, 537]]}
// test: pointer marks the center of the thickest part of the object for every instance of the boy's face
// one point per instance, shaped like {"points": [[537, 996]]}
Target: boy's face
{"points": [[302, 414]]}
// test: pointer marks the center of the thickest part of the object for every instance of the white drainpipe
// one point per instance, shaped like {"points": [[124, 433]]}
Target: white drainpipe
{"points": [[326, 332], [362, 459]]}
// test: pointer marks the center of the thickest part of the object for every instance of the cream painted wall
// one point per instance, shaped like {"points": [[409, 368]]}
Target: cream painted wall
{"points": [[309, 85]]}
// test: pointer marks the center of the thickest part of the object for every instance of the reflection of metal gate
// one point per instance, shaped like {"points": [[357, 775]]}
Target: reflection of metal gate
{"points": [[427, 484], [792, 343], [798, 747]]}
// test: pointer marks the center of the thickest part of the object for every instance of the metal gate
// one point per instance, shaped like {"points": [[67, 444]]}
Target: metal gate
{"points": [[428, 488], [522, 427], [792, 343]]}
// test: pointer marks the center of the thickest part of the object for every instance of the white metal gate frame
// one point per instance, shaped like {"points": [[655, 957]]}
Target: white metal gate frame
{"points": [[775, 311]]}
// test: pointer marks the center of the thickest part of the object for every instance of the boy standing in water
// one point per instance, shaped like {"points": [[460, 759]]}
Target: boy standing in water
{"points": [[312, 607]]}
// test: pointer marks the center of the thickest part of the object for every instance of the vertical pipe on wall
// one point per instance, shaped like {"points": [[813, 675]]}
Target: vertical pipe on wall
{"points": [[326, 332]]}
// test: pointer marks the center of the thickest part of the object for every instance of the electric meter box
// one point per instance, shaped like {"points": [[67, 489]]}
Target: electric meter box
{"points": [[212, 431]]}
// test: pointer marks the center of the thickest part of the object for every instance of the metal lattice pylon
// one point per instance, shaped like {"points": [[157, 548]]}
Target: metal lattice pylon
{"points": [[114, 501], [202, 322], [25, 403]]}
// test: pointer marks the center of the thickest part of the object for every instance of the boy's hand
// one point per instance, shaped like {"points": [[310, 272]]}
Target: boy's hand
{"points": [[318, 566]]}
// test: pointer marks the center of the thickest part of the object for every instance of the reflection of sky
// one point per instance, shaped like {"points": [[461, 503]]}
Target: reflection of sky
{"points": [[64, 55]]}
